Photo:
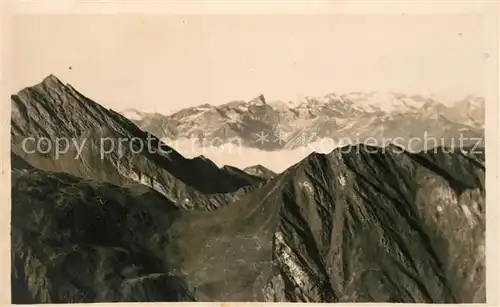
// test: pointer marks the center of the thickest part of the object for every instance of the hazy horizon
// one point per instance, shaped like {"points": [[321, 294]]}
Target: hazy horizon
{"points": [[159, 63]]}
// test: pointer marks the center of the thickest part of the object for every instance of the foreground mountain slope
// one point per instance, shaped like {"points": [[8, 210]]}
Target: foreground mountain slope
{"points": [[76, 240], [99, 144], [259, 170], [360, 224]]}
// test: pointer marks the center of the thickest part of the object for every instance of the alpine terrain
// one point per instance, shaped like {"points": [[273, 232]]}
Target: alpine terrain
{"points": [[320, 124], [105, 209]]}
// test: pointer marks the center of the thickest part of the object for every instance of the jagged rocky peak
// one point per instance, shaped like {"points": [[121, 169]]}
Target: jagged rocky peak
{"points": [[58, 110], [203, 160], [258, 101], [259, 170]]}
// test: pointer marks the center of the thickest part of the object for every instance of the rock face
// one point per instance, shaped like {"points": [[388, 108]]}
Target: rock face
{"points": [[259, 170], [360, 224], [100, 144]]}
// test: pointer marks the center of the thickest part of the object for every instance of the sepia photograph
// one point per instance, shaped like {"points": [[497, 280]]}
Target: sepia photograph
{"points": [[321, 158]]}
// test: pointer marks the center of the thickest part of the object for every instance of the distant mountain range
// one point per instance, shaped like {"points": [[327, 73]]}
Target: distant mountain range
{"points": [[140, 222], [319, 124]]}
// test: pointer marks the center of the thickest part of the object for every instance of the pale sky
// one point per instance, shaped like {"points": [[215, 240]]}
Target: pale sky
{"points": [[165, 62]]}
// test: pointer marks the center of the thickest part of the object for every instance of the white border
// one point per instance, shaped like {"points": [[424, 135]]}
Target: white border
{"points": [[490, 8]]}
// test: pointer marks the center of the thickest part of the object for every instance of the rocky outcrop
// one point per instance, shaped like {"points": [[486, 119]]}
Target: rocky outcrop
{"points": [[56, 128]]}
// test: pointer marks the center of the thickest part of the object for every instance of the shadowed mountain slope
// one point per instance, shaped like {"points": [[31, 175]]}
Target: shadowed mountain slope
{"points": [[362, 224], [259, 170], [368, 225], [76, 240]]}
